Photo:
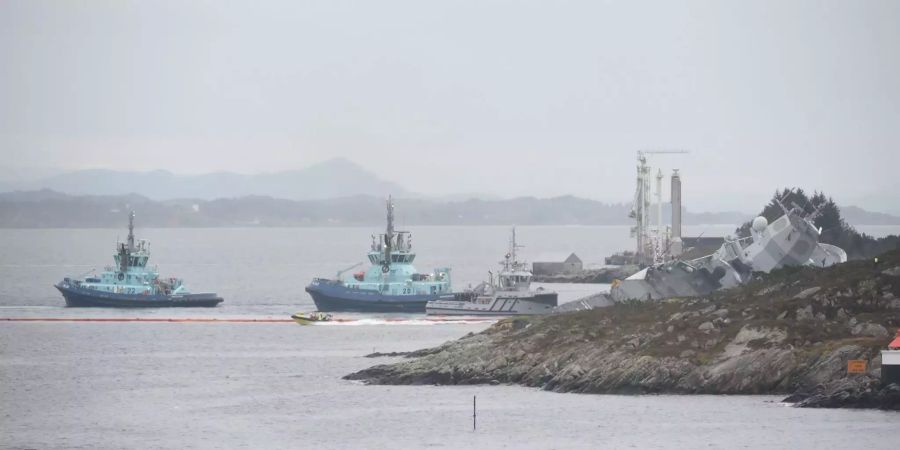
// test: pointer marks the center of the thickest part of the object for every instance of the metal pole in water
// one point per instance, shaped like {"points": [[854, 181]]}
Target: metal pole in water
{"points": [[473, 413]]}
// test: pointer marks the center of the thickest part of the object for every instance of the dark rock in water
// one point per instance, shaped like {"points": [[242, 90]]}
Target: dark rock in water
{"points": [[412, 354], [518, 324], [387, 354], [852, 392], [796, 397], [730, 342]]}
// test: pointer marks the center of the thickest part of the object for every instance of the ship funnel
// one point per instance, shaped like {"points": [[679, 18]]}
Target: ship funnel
{"points": [[388, 237], [676, 245], [676, 204]]}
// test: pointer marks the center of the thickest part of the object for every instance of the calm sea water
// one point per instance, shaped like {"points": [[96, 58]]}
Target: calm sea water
{"points": [[276, 385]]}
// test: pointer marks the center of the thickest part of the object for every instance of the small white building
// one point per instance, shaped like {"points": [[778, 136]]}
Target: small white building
{"points": [[571, 266]]}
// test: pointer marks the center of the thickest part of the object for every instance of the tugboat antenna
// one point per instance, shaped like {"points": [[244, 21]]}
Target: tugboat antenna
{"points": [[131, 232], [514, 246], [388, 237], [390, 216]]}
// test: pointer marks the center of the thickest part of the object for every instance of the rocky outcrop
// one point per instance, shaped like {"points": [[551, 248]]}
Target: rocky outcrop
{"points": [[755, 339], [604, 275], [851, 392]]}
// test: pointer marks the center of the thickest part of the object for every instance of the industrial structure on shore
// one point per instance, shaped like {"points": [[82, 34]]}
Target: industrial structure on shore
{"points": [[655, 245]]}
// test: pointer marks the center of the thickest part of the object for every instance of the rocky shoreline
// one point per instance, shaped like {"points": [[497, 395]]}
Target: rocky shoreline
{"points": [[862, 391], [789, 333]]}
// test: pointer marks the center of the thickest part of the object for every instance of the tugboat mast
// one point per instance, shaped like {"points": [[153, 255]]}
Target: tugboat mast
{"points": [[513, 246], [388, 237], [511, 259], [131, 232], [125, 250], [390, 218]]}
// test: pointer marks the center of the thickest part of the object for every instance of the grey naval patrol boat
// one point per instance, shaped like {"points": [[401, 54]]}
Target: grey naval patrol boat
{"points": [[390, 284], [790, 240], [511, 295], [130, 283]]}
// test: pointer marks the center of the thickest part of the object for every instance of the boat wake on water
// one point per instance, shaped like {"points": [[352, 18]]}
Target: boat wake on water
{"points": [[264, 319], [421, 321], [28, 307]]}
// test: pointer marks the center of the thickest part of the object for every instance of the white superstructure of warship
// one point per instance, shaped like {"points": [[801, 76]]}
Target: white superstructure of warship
{"points": [[790, 240]]}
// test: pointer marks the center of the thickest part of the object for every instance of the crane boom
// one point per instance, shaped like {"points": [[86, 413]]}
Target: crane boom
{"points": [[662, 152], [341, 272]]}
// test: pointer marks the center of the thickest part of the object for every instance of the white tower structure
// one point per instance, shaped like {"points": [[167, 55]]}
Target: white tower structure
{"points": [[650, 246], [659, 245], [640, 211], [676, 247]]}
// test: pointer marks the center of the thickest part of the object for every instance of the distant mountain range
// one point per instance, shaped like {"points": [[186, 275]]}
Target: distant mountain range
{"points": [[46, 208], [335, 192], [855, 215], [330, 179]]}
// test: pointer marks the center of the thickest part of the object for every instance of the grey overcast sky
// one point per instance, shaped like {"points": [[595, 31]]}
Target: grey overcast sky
{"points": [[502, 97]]}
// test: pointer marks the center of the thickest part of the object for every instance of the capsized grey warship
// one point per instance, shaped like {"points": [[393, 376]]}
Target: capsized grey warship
{"points": [[511, 295], [790, 240]]}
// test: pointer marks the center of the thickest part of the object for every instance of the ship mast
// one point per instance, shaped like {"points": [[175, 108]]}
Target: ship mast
{"points": [[513, 245], [512, 261], [131, 232], [388, 236], [390, 218]]}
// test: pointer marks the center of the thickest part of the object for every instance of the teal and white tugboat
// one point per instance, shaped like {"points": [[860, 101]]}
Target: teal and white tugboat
{"points": [[391, 283], [130, 283]]}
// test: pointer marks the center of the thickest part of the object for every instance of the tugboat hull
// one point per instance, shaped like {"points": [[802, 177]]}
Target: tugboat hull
{"points": [[81, 297], [330, 296]]}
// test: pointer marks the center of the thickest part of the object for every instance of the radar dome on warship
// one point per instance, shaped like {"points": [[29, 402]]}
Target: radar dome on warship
{"points": [[759, 224]]}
